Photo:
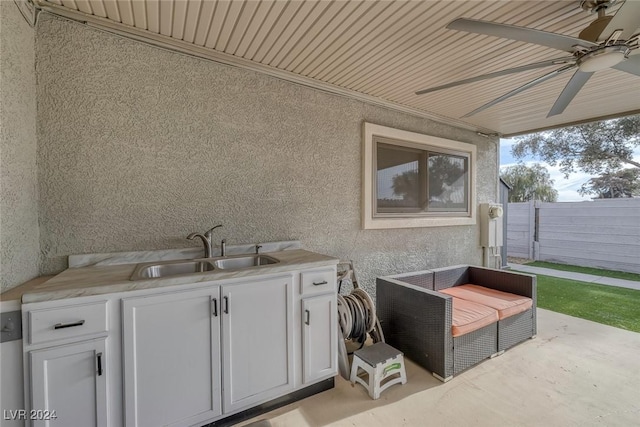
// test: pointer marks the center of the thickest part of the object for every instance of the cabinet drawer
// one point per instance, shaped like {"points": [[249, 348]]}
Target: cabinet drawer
{"points": [[66, 322], [318, 281]]}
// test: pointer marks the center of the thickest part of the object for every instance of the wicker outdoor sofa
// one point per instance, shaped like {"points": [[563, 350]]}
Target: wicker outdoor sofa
{"points": [[416, 316]]}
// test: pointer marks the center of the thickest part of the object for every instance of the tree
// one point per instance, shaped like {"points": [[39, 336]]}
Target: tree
{"points": [[623, 183], [529, 183], [595, 148], [407, 185], [443, 171]]}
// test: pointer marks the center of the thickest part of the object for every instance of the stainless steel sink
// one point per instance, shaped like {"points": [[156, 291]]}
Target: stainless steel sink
{"points": [[186, 267], [244, 261], [171, 268]]}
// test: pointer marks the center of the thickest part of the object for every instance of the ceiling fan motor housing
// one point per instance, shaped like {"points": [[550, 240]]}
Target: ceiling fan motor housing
{"points": [[594, 6], [603, 58]]}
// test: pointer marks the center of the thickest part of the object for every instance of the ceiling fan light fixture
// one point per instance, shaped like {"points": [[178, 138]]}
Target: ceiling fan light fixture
{"points": [[603, 58]]}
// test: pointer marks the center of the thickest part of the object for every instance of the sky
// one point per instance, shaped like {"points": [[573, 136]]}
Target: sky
{"points": [[567, 187]]}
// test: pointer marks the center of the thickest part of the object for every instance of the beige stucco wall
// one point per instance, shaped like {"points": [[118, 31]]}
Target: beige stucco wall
{"points": [[140, 146], [19, 238]]}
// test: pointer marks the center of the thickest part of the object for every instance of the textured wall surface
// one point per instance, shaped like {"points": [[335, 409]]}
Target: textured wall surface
{"points": [[139, 146], [19, 239]]}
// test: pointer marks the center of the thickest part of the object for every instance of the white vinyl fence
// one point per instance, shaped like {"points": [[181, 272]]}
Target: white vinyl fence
{"points": [[520, 229], [600, 233]]}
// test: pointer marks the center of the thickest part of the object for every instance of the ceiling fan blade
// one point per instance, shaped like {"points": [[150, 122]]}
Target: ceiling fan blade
{"points": [[499, 73], [522, 88], [631, 65], [627, 19], [529, 35], [569, 92]]}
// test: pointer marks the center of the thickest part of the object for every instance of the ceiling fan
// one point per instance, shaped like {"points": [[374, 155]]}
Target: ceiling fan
{"points": [[610, 41]]}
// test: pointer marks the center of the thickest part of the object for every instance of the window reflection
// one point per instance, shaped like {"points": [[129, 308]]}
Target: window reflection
{"points": [[447, 183], [410, 180], [398, 179]]}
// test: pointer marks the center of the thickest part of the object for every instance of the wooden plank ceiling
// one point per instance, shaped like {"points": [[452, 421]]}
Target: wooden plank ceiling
{"points": [[384, 50]]}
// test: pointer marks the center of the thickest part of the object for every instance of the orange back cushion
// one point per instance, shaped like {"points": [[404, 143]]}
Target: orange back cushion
{"points": [[505, 303]]}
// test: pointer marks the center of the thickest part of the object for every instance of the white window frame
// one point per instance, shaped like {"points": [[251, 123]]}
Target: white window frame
{"points": [[369, 171]]}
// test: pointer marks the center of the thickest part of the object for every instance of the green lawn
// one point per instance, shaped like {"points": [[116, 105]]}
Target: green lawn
{"points": [[586, 270], [610, 305]]}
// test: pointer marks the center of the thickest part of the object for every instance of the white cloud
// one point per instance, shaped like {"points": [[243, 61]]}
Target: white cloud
{"points": [[507, 142]]}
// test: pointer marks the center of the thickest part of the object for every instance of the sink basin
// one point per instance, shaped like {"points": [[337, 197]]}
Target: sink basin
{"points": [[186, 267], [244, 261], [173, 268]]}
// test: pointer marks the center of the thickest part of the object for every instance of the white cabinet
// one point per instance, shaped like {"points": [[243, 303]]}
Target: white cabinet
{"points": [[69, 363], [173, 348], [257, 336], [319, 323], [171, 358], [180, 355], [319, 337], [69, 385]]}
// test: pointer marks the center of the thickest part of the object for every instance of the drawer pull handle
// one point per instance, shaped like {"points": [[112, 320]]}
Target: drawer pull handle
{"points": [[68, 325], [306, 322], [324, 282], [99, 356]]}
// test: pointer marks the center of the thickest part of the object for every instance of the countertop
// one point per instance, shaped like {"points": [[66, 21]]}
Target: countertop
{"points": [[106, 279]]}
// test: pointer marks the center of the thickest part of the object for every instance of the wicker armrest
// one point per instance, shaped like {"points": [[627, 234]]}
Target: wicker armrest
{"points": [[415, 320], [447, 277], [505, 281]]}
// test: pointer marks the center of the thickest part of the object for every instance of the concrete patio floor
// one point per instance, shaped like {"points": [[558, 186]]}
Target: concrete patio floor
{"points": [[574, 373]]}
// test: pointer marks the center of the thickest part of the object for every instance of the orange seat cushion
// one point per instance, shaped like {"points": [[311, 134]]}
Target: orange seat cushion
{"points": [[469, 316], [507, 304]]}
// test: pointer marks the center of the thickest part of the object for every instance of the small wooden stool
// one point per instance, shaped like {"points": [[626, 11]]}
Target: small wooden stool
{"points": [[380, 361]]}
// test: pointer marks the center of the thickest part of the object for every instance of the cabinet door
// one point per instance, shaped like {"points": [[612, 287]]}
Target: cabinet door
{"points": [[171, 358], [69, 385], [319, 337], [257, 335]]}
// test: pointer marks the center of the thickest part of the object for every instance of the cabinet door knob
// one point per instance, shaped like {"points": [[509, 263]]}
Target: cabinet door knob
{"points": [[226, 305], [99, 357], [68, 325], [308, 313]]}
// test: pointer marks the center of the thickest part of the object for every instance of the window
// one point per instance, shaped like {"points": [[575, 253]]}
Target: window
{"points": [[415, 180]]}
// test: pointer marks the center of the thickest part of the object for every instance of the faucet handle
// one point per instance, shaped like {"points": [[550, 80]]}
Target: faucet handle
{"points": [[210, 232], [258, 249], [194, 235], [223, 247]]}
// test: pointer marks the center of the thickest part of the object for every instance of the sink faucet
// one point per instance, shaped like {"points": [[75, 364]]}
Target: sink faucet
{"points": [[206, 241]]}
